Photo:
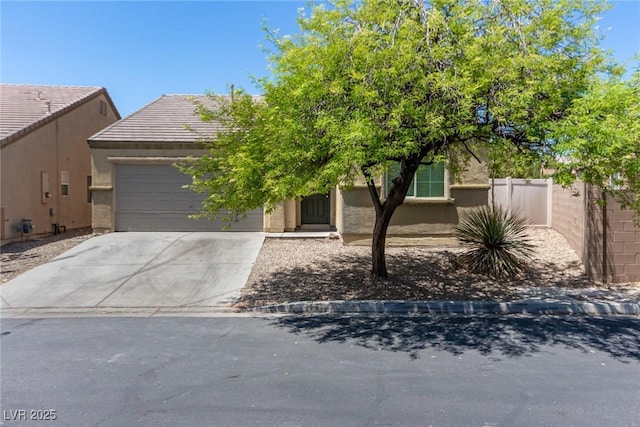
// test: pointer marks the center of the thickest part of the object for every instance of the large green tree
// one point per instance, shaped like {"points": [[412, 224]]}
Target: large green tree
{"points": [[599, 141], [365, 84]]}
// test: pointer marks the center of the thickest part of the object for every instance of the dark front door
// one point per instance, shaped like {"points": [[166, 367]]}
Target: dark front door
{"points": [[315, 209]]}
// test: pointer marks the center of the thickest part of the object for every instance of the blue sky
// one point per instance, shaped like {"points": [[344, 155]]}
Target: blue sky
{"points": [[141, 50]]}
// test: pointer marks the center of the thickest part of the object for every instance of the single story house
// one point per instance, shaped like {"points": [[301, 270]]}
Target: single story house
{"points": [[137, 188], [45, 160]]}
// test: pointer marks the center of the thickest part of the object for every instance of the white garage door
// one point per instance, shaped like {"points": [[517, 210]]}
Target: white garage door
{"points": [[151, 198]]}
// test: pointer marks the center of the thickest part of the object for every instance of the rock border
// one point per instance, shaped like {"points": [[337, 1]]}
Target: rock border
{"points": [[454, 307]]}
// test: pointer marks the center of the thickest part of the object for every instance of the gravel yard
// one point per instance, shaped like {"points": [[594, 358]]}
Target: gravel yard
{"points": [[289, 270], [19, 257]]}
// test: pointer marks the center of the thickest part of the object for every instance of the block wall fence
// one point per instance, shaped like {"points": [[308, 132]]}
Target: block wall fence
{"points": [[604, 236]]}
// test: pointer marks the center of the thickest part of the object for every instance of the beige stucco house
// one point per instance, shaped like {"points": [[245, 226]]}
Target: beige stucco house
{"points": [[45, 164], [135, 184], [137, 188]]}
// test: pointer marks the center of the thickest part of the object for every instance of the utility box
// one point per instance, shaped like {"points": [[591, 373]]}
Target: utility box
{"points": [[27, 226]]}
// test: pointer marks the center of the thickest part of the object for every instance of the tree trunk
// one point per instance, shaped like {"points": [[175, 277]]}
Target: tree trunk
{"points": [[384, 212], [379, 239]]}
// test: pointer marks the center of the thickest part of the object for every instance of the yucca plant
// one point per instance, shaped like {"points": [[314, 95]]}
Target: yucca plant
{"points": [[498, 240]]}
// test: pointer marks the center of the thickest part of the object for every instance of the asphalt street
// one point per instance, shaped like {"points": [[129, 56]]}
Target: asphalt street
{"points": [[328, 370]]}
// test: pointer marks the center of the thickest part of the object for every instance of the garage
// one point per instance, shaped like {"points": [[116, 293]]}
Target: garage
{"points": [[150, 197]]}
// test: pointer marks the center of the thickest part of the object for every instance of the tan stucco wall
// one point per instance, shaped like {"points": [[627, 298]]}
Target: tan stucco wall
{"points": [[274, 222], [355, 215], [474, 173], [60, 145]]}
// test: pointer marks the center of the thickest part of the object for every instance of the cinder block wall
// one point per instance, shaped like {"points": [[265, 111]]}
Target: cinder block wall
{"points": [[568, 215], [595, 262], [623, 244], [579, 217]]}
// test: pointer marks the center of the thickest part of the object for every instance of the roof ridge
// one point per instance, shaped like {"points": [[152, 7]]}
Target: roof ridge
{"points": [[196, 94], [184, 94]]}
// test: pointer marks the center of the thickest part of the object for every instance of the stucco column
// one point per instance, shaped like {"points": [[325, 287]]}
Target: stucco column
{"points": [[275, 221]]}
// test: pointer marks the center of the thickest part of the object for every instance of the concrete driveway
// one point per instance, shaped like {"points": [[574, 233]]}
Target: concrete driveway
{"points": [[139, 272]]}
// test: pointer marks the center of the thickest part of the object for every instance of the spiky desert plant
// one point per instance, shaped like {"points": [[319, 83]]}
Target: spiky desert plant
{"points": [[498, 240]]}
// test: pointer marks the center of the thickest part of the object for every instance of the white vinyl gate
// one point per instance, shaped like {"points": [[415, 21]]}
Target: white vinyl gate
{"points": [[151, 198], [530, 197]]}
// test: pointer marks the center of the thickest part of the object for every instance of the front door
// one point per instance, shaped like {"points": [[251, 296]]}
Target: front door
{"points": [[315, 209]]}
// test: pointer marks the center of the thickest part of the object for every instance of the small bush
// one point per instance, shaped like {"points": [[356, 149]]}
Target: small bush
{"points": [[498, 240]]}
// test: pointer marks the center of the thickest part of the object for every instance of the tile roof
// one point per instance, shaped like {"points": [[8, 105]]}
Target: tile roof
{"points": [[24, 108], [170, 118]]}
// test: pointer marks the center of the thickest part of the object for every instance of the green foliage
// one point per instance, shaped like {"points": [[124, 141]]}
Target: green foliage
{"points": [[367, 83], [498, 240], [506, 160], [599, 141]]}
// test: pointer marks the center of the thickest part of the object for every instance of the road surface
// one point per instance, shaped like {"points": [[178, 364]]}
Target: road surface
{"points": [[329, 370]]}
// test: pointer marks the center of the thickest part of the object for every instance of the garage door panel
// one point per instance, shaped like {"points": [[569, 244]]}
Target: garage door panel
{"points": [[158, 222], [151, 198]]}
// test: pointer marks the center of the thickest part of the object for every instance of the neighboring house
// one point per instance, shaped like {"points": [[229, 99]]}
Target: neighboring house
{"points": [[137, 188], [45, 160]]}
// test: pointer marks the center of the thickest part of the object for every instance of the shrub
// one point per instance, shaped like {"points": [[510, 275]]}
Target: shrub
{"points": [[498, 240]]}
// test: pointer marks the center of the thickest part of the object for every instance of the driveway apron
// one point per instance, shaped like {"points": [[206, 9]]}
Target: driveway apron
{"points": [[140, 270]]}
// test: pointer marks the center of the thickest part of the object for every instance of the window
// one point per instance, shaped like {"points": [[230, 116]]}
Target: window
{"points": [[64, 183], [89, 192], [103, 108], [429, 181]]}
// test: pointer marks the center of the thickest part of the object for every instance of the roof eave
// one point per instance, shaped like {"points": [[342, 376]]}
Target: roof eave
{"points": [[111, 144]]}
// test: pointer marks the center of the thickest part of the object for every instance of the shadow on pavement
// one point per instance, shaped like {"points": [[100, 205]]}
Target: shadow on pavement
{"points": [[494, 336]]}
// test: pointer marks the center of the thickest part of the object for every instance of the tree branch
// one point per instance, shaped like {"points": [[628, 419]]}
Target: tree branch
{"points": [[471, 152], [371, 185]]}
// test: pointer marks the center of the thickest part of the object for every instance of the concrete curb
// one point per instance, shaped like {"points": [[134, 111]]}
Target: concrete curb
{"points": [[70, 312], [456, 307], [343, 307]]}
